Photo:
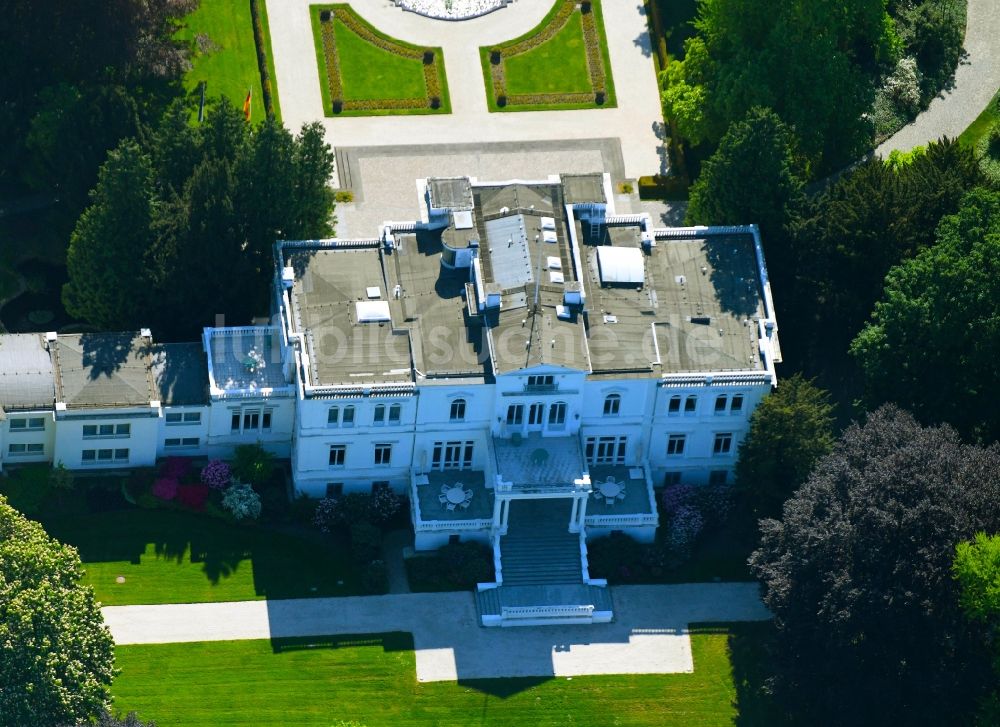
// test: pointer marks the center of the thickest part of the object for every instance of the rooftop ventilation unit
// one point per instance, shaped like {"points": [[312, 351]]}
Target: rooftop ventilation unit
{"points": [[463, 220], [372, 311], [288, 276], [548, 223], [553, 263], [373, 292], [556, 277], [563, 312], [620, 265], [549, 236]]}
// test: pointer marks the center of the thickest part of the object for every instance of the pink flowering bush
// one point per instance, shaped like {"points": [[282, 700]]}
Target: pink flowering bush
{"points": [[384, 505], [165, 488], [715, 502], [676, 496], [216, 474], [684, 527]]}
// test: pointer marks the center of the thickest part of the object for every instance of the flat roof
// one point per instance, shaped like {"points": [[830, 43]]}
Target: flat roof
{"points": [[180, 373], [246, 359], [696, 311], [103, 370], [26, 375], [343, 347]]}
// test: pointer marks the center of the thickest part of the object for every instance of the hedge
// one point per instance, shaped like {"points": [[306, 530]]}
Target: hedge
{"points": [[261, 42], [667, 187]]}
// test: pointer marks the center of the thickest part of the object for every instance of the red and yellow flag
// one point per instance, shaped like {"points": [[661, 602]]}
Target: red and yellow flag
{"points": [[246, 104]]}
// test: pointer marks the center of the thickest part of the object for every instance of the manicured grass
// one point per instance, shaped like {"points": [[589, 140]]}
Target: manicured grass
{"points": [[978, 128], [557, 66], [230, 66], [369, 73], [319, 681], [180, 557], [373, 73]]}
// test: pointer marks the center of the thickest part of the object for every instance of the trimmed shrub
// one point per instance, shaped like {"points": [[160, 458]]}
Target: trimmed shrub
{"points": [[599, 98], [338, 105], [454, 567], [495, 57], [375, 578], [428, 57], [242, 501], [252, 464], [216, 474], [366, 542], [585, 7], [501, 101], [165, 488], [324, 16]]}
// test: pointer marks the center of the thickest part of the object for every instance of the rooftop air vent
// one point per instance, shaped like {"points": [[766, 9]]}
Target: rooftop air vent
{"points": [[548, 223], [373, 292], [553, 263], [372, 311], [620, 265], [463, 220], [701, 320]]}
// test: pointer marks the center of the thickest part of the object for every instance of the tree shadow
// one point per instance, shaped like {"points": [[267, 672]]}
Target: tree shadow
{"points": [[750, 650], [105, 353], [390, 641], [504, 688], [734, 273]]}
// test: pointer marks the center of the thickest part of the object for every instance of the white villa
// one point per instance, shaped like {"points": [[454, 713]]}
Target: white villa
{"points": [[521, 361]]}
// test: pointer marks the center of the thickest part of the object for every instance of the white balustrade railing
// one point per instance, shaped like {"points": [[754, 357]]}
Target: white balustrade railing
{"points": [[631, 520], [431, 526], [543, 612]]}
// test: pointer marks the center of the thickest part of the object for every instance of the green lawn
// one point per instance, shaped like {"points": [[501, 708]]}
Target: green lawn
{"points": [[229, 63], [983, 122], [372, 680], [373, 73], [557, 66]]}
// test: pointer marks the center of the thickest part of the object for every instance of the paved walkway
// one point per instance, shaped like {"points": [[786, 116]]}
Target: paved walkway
{"points": [[649, 635], [637, 120], [977, 79]]}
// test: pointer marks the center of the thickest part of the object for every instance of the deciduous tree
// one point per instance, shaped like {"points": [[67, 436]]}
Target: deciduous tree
{"points": [[858, 575], [56, 655]]}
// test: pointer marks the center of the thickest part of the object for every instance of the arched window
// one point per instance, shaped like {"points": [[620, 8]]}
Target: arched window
{"points": [[675, 404], [612, 405], [457, 413], [379, 417], [333, 416], [690, 404], [348, 417], [557, 413], [395, 411]]}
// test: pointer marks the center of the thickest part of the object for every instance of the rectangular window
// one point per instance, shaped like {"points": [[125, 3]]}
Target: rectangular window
{"points": [[395, 413], [515, 415], [690, 404], [457, 413], [181, 418], [606, 450], [379, 417], [121, 455], [35, 448], [723, 443], [171, 442], [737, 404], [29, 424], [671, 478], [557, 414], [383, 454], [36, 423], [540, 382], [18, 424], [17, 449], [338, 453], [89, 430], [720, 404], [251, 420], [177, 442], [106, 431], [265, 422], [105, 455], [89, 455], [234, 422], [334, 489], [675, 444], [675, 405], [718, 477]]}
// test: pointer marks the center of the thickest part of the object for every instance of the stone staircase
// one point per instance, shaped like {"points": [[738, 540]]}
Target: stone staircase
{"points": [[538, 548]]}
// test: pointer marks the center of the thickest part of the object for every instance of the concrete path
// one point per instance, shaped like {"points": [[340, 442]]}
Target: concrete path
{"points": [[649, 635], [392, 553], [637, 120], [977, 79]]}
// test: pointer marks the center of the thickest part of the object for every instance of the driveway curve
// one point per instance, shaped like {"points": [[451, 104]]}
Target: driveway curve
{"points": [[977, 79]]}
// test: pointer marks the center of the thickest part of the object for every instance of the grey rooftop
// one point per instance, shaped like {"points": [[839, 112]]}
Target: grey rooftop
{"points": [[26, 378], [103, 370], [180, 373]]}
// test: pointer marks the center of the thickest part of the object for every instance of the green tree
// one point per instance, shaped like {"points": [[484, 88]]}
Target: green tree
{"points": [[106, 260], [812, 62], [858, 575], [56, 655], [977, 570], [933, 341], [789, 431], [752, 177]]}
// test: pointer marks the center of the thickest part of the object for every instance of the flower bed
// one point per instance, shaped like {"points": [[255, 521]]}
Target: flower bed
{"points": [[601, 91], [331, 20]]}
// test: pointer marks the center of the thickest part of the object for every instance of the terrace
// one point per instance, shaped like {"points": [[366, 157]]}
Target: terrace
{"points": [[432, 517]]}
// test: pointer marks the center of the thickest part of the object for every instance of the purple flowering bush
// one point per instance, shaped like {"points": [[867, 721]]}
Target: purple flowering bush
{"points": [[715, 502], [216, 474], [175, 468], [684, 527], [675, 497], [384, 505]]}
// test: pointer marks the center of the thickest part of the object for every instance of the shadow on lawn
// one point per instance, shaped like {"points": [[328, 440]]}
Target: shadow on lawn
{"points": [[392, 641]]}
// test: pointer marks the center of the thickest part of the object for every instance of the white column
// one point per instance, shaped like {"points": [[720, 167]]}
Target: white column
{"points": [[497, 510], [574, 524], [584, 496], [506, 515]]}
